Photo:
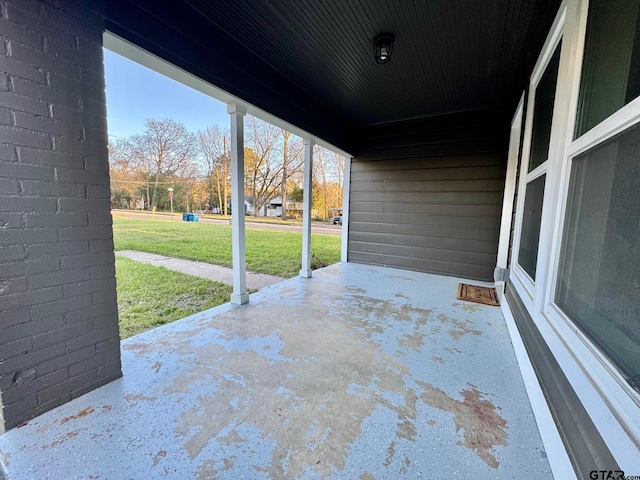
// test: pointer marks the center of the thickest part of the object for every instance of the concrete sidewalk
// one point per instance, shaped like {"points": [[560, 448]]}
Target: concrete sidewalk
{"points": [[200, 269]]}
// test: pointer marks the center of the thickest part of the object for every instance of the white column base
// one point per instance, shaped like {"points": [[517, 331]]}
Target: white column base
{"points": [[239, 299], [305, 273]]}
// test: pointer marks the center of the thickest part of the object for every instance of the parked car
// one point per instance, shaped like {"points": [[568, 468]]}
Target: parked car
{"points": [[337, 219]]}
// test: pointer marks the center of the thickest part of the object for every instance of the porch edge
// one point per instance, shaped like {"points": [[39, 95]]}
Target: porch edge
{"points": [[557, 455], [575, 445]]}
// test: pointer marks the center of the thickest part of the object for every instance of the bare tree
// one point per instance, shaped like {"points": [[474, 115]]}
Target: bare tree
{"points": [[336, 169], [292, 161], [329, 175], [200, 194], [263, 170], [188, 179], [213, 147], [124, 173], [165, 147]]}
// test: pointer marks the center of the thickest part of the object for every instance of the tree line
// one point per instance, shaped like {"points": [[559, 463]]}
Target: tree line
{"points": [[197, 166]]}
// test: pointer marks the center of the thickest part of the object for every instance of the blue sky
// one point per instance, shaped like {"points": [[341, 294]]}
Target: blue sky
{"points": [[135, 93]]}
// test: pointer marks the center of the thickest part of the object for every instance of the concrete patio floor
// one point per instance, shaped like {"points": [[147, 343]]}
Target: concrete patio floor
{"points": [[360, 372]]}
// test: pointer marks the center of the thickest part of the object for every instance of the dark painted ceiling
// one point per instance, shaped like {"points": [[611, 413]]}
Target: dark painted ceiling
{"points": [[311, 62]]}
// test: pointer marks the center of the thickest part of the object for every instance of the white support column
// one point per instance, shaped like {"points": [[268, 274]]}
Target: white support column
{"points": [[346, 190], [238, 239], [500, 272], [306, 211]]}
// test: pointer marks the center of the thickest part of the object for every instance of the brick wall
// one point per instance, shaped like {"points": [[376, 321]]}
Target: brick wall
{"points": [[58, 317]]}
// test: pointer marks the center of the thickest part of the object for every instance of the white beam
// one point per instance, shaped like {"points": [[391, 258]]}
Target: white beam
{"points": [[238, 238], [305, 272], [128, 50], [346, 190]]}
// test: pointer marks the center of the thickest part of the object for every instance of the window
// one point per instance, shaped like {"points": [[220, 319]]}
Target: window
{"points": [[543, 112], [532, 216], [576, 261], [598, 282], [599, 275], [530, 210], [611, 66]]}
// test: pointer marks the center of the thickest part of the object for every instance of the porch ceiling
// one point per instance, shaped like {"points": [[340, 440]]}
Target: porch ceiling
{"points": [[363, 372], [311, 63]]}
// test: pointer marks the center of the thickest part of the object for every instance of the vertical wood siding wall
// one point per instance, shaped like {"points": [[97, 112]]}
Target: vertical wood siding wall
{"points": [[427, 195]]}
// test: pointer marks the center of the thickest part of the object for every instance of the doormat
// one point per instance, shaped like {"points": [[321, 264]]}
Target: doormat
{"points": [[474, 293]]}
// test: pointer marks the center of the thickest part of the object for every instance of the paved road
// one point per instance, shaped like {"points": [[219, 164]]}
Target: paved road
{"points": [[316, 227]]}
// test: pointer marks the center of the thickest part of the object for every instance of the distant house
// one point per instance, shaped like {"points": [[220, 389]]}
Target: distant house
{"points": [[274, 207], [249, 206]]}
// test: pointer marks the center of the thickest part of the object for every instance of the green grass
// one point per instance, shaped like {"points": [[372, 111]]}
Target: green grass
{"points": [[268, 251], [150, 296]]}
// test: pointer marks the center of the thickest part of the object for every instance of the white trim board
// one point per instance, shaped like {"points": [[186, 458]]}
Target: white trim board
{"points": [[554, 446], [346, 193]]}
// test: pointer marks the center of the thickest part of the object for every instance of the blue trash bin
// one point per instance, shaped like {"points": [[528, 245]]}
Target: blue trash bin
{"points": [[185, 217], [196, 217]]}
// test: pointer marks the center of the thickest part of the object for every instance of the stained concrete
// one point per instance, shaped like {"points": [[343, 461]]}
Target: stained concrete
{"points": [[360, 372], [255, 281]]}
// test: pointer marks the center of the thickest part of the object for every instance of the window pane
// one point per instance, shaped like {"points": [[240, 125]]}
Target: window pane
{"points": [[611, 66], [528, 252], [599, 277], [543, 112]]}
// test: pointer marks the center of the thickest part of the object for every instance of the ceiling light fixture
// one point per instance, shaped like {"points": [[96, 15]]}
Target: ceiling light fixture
{"points": [[382, 47]]}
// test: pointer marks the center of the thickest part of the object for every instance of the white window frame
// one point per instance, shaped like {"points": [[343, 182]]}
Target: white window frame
{"points": [[612, 390], [524, 284], [612, 405]]}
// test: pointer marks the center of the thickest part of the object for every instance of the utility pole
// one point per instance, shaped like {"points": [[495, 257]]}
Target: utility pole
{"points": [[285, 170], [225, 171]]}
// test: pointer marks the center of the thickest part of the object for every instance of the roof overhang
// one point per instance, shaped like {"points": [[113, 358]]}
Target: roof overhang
{"points": [[310, 65]]}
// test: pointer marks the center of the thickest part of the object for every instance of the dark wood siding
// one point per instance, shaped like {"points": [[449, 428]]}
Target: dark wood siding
{"points": [[427, 195]]}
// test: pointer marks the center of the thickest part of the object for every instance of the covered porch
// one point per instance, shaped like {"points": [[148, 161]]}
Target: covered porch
{"points": [[500, 142], [363, 372]]}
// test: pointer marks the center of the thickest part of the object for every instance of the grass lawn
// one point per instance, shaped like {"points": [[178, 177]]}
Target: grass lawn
{"points": [[150, 296], [268, 251]]}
